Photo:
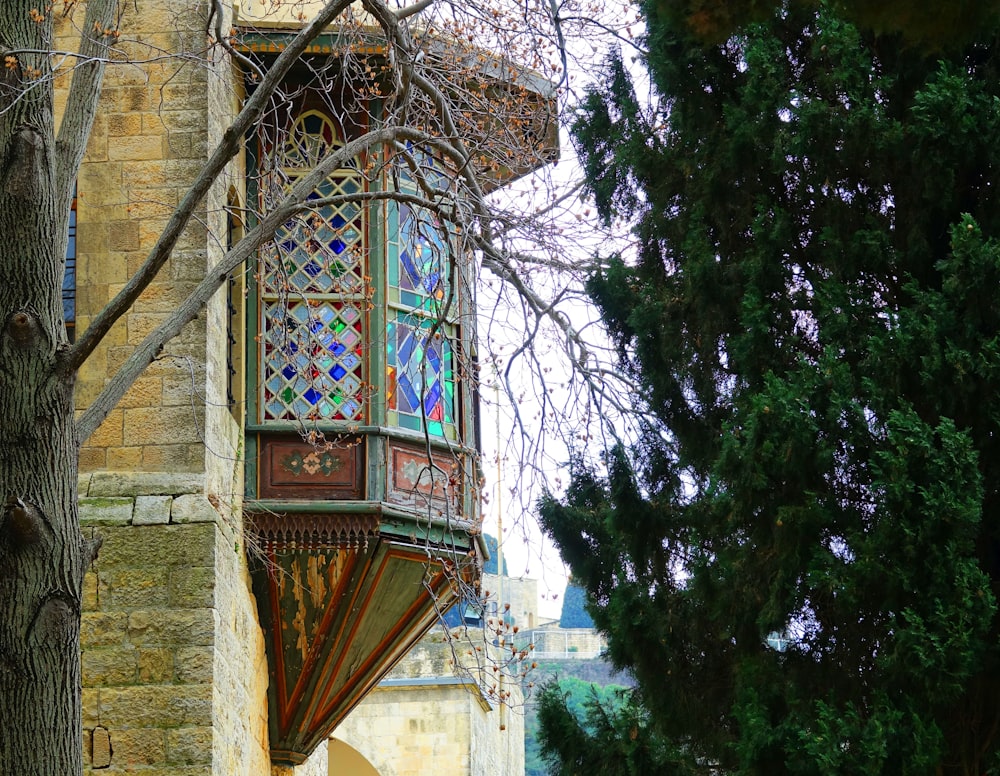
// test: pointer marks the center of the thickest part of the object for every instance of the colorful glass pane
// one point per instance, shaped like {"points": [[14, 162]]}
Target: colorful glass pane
{"points": [[420, 248], [312, 360], [421, 379], [321, 250], [423, 253], [311, 137], [312, 287]]}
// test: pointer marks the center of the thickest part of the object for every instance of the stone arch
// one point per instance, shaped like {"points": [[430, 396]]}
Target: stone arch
{"points": [[345, 760]]}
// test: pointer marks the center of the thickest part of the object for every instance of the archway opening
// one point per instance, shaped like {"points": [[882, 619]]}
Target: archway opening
{"points": [[345, 760]]}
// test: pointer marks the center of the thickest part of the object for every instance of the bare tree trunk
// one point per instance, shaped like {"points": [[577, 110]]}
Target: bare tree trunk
{"points": [[42, 553], [42, 560]]}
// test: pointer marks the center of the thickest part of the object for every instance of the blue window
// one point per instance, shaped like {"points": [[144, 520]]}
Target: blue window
{"points": [[69, 276]]}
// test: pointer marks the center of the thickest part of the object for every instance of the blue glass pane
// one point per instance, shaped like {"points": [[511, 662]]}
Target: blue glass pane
{"points": [[312, 124], [406, 349], [408, 393], [432, 397], [434, 359]]}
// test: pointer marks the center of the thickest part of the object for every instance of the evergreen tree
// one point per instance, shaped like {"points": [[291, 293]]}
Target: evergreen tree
{"points": [[800, 560], [930, 24], [586, 729]]}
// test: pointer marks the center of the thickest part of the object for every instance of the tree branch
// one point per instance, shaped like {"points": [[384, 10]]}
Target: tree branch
{"points": [[228, 147], [84, 92], [293, 202], [411, 10]]}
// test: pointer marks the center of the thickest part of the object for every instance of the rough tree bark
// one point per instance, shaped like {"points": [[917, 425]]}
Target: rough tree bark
{"points": [[43, 555]]}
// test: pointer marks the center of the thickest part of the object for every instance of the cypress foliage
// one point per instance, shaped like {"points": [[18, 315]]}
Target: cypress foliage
{"points": [[613, 737], [930, 24], [800, 561]]}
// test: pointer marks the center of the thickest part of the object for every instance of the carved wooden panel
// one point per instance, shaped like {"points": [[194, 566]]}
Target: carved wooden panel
{"points": [[335, 622], [292, 468], [418, 481]]}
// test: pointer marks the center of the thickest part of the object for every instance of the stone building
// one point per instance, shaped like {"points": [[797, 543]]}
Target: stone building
{"points": [[435, 714], [257, 582]]}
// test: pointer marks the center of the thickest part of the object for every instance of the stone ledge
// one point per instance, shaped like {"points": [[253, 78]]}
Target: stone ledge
{"points": [[106, 511], [151, 510], [148, 510], [142, 484], [193, 509]]}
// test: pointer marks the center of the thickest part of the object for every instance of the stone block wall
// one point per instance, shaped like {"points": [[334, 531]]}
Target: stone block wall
{"points": [[317, 765], [520, 594], [149, 142], [570, 643], [413, 731], [173, 661], [428, 717], [226, 205]]}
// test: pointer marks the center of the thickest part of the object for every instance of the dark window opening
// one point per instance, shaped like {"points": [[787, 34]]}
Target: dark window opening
{"points": [[234, 319], [69, 277]]}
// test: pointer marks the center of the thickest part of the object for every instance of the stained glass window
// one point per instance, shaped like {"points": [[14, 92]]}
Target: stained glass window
{"points": [[320, 250], [312, 285], [421, 374], [311, 138], [421, 391], [420, 246], [418, 260], [313, 360]]}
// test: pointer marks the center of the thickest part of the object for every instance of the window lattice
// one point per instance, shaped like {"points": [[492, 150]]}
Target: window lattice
{"points": [[312, 291], [313, 358], [320, 250]]}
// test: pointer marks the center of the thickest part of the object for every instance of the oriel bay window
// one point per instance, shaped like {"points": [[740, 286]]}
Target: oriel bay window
{"points": [[358, 325], [362, 463], [359, 475]]}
